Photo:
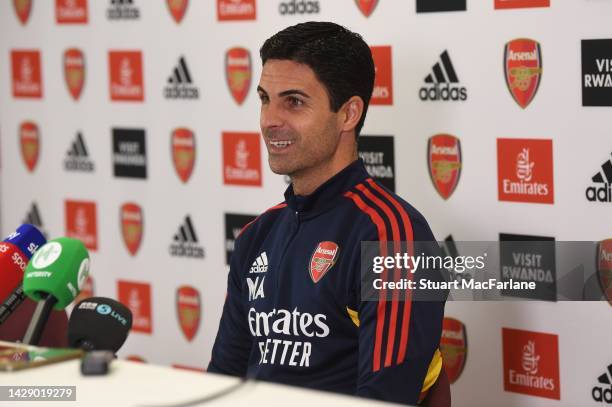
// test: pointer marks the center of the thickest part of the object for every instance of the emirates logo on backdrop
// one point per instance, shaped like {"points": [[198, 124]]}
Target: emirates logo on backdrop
{"points": [[525, 170], [382, 94], [126, 80], [241, 159], [27, 74], [236, 10], [81, 222], [531, 363], [137, 297], [71, 11]]}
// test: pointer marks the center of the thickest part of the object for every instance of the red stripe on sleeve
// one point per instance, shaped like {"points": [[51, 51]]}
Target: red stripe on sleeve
{"points": [[408, 300], [382, 238], [396, 276]]}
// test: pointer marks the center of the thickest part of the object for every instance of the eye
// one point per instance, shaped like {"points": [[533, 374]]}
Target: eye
{"points": [[264, 98], [295, 101]]}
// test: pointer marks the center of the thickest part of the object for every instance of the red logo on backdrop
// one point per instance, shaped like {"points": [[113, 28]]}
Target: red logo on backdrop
{"points": [[137, 297], [453, 345], [229, 10], [238, 72], [30, 144], [444, 161], [366, 6], [131, 226], [81, 222], [523, 69], [87, 291], [531, 363], [23, 9], [521, 3], [323, 258], [27, 76], [74, 71], [126, 82], [71, 11], [241, 159], [525, 170], [189, 309], [604, 267], [183, 152], [177, 9], [383, 79]]}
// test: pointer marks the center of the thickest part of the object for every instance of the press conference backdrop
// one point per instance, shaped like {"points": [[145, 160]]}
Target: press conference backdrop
{"points": [[133, 126]]}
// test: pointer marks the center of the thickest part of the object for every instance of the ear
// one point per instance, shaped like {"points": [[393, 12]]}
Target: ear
{"points": [[350, 113]]}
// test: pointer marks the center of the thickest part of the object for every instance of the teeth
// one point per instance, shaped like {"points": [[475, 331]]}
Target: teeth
{"points": [[281, 144]]}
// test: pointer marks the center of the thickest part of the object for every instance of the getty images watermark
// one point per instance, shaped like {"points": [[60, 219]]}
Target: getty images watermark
{"points": [[517, 267]]}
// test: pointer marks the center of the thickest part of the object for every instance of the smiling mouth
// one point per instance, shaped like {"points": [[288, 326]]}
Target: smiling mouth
{"points": [[281, 144]]}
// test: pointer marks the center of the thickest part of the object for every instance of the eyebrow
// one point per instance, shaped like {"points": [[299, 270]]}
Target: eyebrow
{"points": [[286, 92]]}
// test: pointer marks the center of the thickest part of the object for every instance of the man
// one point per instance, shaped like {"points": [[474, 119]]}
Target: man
{"points": [[294, 312]]}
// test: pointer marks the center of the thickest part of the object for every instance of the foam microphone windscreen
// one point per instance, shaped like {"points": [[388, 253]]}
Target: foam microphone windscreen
{"points": [[15, 252], [99, 323], [58, 270]]}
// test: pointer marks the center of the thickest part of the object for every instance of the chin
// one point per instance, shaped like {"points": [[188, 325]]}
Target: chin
{"points": [[281, 167]]}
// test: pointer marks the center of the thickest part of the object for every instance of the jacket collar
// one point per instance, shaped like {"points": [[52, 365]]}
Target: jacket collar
{"points": [[328, 193]]}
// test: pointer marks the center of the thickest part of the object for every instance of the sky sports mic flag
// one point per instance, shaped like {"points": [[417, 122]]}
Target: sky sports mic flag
{"points": [[54, 278], [15, 252], [99, 323]]}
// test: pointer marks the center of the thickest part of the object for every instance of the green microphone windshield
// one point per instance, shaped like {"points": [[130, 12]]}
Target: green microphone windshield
{"points": [[58, 269]]}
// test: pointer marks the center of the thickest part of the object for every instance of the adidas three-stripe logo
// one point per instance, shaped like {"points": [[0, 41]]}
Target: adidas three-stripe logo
{"points": [[33, 216], [601, 189], [77, 156], [442, 84], [186, 232], [180, 84], [260, 265], [180, 74], [605, 175], [185, 242], [603, 392], [78, 147], [440, 75]]}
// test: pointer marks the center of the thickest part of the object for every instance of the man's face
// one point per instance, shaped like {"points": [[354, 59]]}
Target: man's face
{"points": [[299, 128]]}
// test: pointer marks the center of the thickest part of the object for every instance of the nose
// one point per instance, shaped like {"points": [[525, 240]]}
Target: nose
{"points": [[270, 117]]}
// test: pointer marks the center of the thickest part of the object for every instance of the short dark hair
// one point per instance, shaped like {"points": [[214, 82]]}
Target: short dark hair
{"points": [[340, 59]]}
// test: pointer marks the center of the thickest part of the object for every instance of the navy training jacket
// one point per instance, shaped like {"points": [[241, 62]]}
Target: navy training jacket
{"points": [[293, 312]]}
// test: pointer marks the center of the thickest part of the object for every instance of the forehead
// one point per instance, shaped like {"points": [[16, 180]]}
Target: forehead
{"points": [[280, 75]]}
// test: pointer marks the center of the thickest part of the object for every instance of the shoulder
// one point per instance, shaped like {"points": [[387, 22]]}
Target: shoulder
{"points": [[389, 216], [264, 219]]}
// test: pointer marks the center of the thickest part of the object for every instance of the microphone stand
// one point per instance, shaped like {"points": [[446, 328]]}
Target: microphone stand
{"points": [[39, 319]]}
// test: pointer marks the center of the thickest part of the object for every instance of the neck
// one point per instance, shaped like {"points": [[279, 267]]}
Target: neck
{"points": [[307, 181]]}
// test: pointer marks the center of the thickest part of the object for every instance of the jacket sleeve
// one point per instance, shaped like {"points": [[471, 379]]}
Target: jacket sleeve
{"points": [[399, 334], [232, 347]]}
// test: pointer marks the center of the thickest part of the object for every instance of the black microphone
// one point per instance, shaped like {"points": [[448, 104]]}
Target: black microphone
{"points": [[99, 323]]}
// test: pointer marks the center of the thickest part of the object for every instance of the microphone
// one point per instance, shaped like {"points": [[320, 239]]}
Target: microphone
{"points": [[27, 238], [15, 252], [54, 277], [99, 323]]}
